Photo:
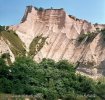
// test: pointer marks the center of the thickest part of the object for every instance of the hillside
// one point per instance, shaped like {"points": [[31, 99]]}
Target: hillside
{"points": [[52, 33]]}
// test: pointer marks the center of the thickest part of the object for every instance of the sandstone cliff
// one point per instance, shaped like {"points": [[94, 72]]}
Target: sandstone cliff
{"points": [[62, 36]]}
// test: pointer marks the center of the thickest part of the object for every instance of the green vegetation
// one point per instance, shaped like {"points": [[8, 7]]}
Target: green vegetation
{"points": [[7, 57], [39, 9], [103, 31], [88, 37], [49, 79], [16, 97], [13, 41], [16, 45], [100, 90], [2, 28], [82, 37], [36, 45]]}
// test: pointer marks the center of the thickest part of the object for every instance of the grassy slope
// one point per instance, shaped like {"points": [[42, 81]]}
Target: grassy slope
{"points": [[16, 45], [36, 45]]}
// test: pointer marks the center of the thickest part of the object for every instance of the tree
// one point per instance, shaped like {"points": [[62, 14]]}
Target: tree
{"points": [[4, 70], [23, 73], [5, 85], [47, 63], [65, 65], [51, 79]]}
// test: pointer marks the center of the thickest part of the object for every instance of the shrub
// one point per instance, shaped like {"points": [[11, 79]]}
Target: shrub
{"points": [[2, 28], [100, 90], [103, 31], [53, 80], [69, 96], [88, 37], [7, 27], [41, 9], [4, 70], [64, 64], [81, 38], [5, 85], [5, 55]]}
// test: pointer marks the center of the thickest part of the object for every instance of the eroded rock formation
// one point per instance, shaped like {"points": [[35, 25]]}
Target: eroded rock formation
{"points": [[62, 33]]}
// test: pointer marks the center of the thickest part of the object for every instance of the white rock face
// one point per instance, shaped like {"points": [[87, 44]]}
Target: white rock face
{"points": [[62, 32], [4, 48]]}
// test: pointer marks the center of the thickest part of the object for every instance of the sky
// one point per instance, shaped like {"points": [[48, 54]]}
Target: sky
{"points": [[12, 11]]}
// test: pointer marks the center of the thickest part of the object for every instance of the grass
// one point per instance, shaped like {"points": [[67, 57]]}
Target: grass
{"points": [[30, 97], [101, 79], [16, 45], [16, 97], [36, 45]]}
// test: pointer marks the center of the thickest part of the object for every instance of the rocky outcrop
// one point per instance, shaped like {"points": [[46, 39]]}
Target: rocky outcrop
{"points": [[4, 48], [62, 33]]}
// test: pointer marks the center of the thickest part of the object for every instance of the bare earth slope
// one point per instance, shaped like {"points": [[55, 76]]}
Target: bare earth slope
{"points": [[62, 34]]}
